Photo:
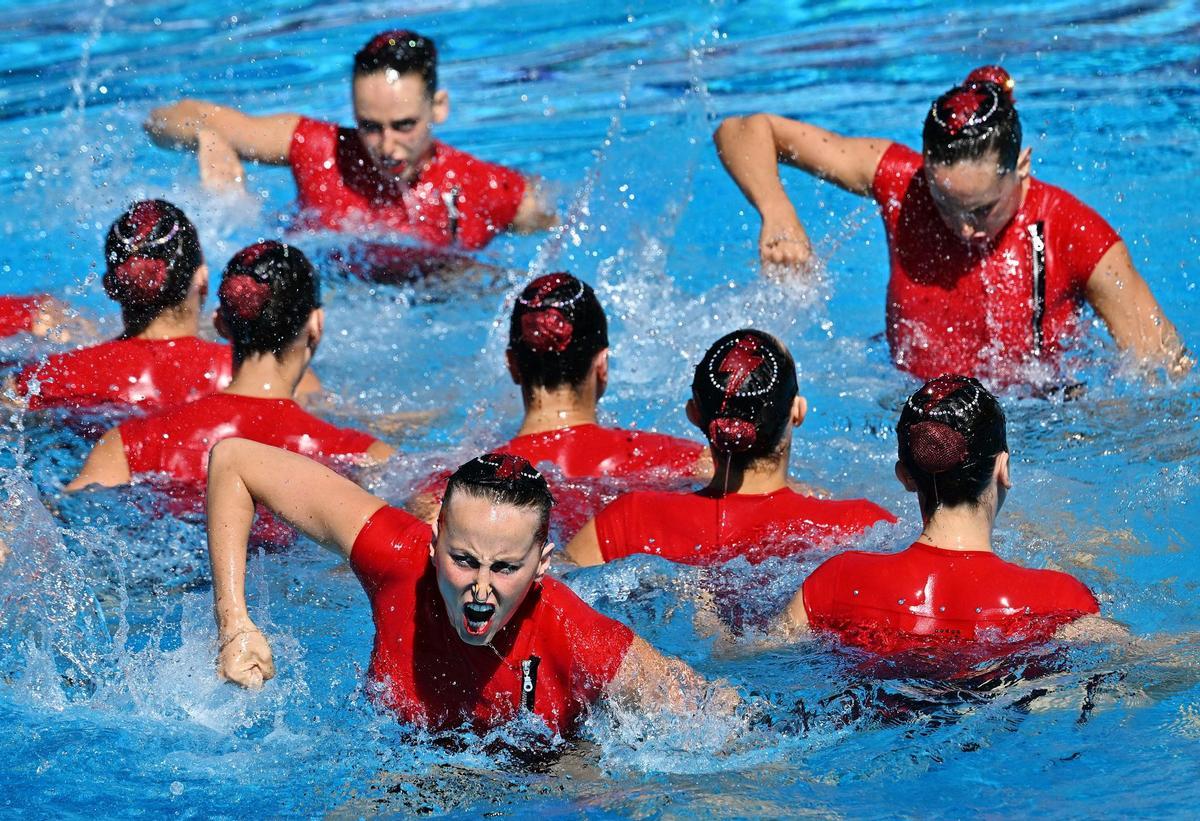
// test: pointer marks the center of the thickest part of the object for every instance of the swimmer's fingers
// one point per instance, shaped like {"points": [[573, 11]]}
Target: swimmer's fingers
{"points": [[784, 243], [245, 658]]}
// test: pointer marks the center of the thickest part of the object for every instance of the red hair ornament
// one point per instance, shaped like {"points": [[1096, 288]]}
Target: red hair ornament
{"points": [[546, 331], [244, 296], [140, 279]]}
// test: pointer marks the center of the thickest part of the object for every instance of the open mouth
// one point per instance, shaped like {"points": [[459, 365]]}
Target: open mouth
{"points": [[477, 617]]}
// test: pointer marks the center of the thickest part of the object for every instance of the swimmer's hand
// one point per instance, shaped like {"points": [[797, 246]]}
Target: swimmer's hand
{"points": [[783, 241], [245, 657], [3, 552], [220, 167]]}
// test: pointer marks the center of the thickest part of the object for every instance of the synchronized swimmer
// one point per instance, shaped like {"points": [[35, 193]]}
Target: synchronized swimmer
{"points": [[989, 269]]}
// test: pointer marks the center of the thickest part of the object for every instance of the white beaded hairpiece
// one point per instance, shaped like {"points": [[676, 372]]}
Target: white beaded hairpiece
{"points": [[977, 117], [717, 361], [132, 242], [971, 406], [558, 303]]}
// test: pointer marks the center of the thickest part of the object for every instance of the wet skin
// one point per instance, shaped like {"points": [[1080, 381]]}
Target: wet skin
{"points": [[487, 558], [977, 198], [395, 119]]}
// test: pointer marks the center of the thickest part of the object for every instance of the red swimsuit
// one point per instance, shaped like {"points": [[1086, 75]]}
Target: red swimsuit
{"points": [[954, 310], [17, 314], [929, 598], [429, 676], [176, 443], [700, 529], [150, 373], [456, 199]]}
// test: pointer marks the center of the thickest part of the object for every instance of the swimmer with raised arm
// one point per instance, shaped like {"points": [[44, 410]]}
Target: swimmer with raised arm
{"points": [[388, 172], [746, 401], [989, 266], [155, 271], [558, 355], [468, 628], [949, 593], [270, 308]]}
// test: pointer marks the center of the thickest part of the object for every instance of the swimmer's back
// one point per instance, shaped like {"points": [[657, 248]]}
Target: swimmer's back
{"points": [[925, 596], [702, 529], [592, 450], [149, 373]]}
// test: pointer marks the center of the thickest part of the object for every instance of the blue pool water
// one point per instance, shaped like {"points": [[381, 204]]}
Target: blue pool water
{"points": [[108, 702]]}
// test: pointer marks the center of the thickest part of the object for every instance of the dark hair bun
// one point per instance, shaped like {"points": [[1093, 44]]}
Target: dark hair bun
{"points": [[997, 76], [936, 447], [137, 281], [546, 330], [732, 435], [243, 296]]}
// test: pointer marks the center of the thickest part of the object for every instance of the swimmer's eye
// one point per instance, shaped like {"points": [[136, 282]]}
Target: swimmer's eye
{"points": [[463, 560], [505, 568], [404, 126], [368, 127]]}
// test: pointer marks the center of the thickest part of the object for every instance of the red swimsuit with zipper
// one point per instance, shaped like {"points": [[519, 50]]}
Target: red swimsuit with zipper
{"points": [[954, 308], [430, 677], [455, 199]]}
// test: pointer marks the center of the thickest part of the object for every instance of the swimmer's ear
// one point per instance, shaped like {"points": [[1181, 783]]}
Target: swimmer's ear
{"points": [[221, 325], [544, 561], [513, 371], [600, 363], [905, 477], [799, 410], [693, 413], [316, 327], [1003, 478], [1025, 163], [200, 278], [433, 540], [441, 106]]}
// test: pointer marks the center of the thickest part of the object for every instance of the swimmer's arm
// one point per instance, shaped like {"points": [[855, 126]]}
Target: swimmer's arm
{"points": [[106, 465], [1093, 629], [751, 149], [265, 139], [53, 320], [308, 387], [1137, 323], [584, 548], [425, 506], [794, 622], [379, 452], [534, 213], [648, 680], [323, 505]]}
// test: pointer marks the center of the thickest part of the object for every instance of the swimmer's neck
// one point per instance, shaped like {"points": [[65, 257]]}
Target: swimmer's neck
{"points": [[182, 320], [266, 376], [563, 407], [964, 527], [759, 477]]}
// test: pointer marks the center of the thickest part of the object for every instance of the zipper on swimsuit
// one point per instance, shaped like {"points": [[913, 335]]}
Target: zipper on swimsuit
{"points": [[1037, 237]]}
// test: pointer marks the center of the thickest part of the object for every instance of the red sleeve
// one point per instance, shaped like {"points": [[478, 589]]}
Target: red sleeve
{"points": [[313, 143], [1079, 235], [392, 542], [1074, 596], [819, 590], [492, 195], [17, 314], [898, 165], [595, 643], [133, 441], [612, 528]]}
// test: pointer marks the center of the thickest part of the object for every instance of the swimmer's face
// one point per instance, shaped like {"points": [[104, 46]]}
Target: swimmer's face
{"points": [[395, 116], [977, 198], [487, 558]]}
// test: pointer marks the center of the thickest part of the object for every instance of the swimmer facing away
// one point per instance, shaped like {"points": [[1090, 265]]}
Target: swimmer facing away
{"points": [[948, 595], [155, 271], [468, 628], [989, 266], [558, 355], [270, 308], [746, 400], [388, 172]]}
